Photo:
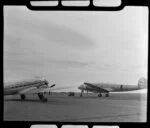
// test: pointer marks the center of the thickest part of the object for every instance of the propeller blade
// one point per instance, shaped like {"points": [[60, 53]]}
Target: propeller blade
{"points": [[52, 85], [61, 88]]}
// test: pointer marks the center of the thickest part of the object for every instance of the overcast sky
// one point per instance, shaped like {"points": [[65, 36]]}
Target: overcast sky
{"points": [[69, 48]]}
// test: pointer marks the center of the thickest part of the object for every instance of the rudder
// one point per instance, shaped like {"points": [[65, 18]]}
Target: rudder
{"points": [[142, 83]]}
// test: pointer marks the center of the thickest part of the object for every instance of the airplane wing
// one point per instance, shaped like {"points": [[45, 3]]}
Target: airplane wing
{"points": [[98, 89], [35, 90]]}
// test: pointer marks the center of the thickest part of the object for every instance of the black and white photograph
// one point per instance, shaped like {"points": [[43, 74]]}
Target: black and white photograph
{"points": [[75, 66]]}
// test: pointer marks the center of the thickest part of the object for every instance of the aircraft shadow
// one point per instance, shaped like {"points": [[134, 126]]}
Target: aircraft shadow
{"points": [[27, 100], [49, 102], [100, 117], [53, 101]]}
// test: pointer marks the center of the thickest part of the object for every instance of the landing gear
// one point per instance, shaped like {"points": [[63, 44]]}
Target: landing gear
{"points": [[41, 97], [23, 97], [82, 91], [107, 95], [99, 95]]}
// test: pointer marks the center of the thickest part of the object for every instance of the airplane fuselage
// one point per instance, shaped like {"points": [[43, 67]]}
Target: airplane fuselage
{"points": [[113, 87], [108, 87], [12, 89]]}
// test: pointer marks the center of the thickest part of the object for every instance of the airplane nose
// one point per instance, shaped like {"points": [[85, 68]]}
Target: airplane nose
{"points": [[46, 82], [81, 86]]}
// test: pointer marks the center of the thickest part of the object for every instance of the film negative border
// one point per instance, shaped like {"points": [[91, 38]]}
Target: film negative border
{"points": [[124, 3], [90, 7]]}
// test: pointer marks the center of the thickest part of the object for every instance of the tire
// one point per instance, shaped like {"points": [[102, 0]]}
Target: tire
{"points": [[100, 95], [23, 97], [107, 95], [40, 96]]}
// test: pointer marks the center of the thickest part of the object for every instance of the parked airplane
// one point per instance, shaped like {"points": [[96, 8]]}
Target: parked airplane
{"points": [[38, 87], [107, 87]]}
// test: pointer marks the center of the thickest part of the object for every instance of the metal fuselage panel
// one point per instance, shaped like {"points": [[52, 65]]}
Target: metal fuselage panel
{"points": [[111, 87], [15, 88]]}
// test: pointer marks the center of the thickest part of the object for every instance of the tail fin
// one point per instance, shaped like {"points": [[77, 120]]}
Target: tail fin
{"points": [[142, 83]]}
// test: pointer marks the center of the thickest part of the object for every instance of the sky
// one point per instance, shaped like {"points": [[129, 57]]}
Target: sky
{"points": [[69, 48]]}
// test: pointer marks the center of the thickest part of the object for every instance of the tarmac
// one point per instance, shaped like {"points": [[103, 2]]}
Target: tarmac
{"points": [[118, 107]]}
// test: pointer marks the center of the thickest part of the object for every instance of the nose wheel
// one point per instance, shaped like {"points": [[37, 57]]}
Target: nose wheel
{"points": [[107, 95], [81, 94], [99, 95]]}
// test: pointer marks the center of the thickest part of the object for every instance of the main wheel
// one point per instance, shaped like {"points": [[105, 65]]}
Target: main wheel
{"points": [[23, 97], [107, 95], [81, 95], [100, 95], [40, 96]]}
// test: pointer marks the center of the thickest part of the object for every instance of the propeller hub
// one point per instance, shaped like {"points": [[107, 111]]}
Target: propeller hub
{"points": [[46, 82], [83, 86]]}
